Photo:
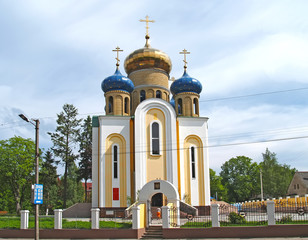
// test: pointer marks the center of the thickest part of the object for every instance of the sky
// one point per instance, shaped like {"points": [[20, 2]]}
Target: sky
{"points": [[251, 57]]}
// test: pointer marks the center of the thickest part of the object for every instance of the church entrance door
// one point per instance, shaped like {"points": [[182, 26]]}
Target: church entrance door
{"points": [[156, 194]]}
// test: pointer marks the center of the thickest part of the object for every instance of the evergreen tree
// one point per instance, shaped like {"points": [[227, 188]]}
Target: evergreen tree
{"points": [[74, 186], [48, 177], [64, 140], [85, 164], [276, 177]]}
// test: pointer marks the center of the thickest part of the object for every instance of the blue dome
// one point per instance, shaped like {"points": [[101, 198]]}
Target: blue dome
{"points": [[117, 82], [172, 102], [186, 84]]}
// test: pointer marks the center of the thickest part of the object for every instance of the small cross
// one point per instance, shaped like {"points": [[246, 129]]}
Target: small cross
{"points": [[185, 52], [117, 58], [147, 21]]}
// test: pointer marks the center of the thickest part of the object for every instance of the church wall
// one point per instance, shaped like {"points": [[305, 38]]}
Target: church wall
{"points": [[113, 130], [193, 132], [141, 142]]}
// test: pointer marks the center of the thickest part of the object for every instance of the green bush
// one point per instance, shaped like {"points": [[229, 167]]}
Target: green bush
{"points": [[235, 218], [285, 219]]}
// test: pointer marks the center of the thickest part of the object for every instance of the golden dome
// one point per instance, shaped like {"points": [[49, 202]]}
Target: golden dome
{"points": [[145, 58]]}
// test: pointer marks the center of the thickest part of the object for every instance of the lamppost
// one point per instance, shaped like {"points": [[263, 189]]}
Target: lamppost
{"points": [[36, 124]]}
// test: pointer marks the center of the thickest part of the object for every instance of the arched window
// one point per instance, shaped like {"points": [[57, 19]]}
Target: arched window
{"points": [[110, 104], [158, 94], [180, 106], [155, 138], [196, 108], [193, 162], [126, 105], [115, 159], [142, 95]]}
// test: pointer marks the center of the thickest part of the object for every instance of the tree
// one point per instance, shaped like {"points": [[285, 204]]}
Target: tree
{"points": [[85, 150], [217, 189], [276, 177], [17, 170], [240, 176], [48, 177], [64, 138]]}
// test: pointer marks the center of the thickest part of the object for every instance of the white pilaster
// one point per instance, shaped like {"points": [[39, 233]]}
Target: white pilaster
{"points": [[24, 219], [271, 212], [95, 218], [58, 218], [165, 211], [215, 215], [136, 217]]}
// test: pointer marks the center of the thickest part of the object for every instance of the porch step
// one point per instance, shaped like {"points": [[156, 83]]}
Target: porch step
{"points": [[153, 232]]}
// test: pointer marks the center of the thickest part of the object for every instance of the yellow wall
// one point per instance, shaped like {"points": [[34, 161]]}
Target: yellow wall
{"points": [[115, 139], [142, 215], [156, 164], [196, 141]]}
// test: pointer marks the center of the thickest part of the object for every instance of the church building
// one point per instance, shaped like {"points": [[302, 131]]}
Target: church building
{"points": [[151, 130]]}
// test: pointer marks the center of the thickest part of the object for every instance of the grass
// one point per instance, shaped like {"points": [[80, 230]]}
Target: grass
{"points": [[48, 223]]}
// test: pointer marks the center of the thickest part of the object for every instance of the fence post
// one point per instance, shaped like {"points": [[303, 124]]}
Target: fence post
{"points": [[95, 218], [271, 212], [165, 212], [24, 219], [58, 218], [215, 215], [136, 217]]}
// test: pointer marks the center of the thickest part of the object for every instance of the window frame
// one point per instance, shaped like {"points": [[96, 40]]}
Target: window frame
{"points": [[159, 138], [193, 161], [117, 162]]}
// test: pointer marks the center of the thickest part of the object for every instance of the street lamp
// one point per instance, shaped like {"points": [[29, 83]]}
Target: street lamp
{"points": [[36, 124]]}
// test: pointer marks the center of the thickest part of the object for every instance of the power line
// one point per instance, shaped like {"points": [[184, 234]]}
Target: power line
{"points": [[254, 95]]}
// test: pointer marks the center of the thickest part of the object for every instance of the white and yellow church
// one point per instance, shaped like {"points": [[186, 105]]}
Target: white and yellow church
{"points": [[150, 132]]}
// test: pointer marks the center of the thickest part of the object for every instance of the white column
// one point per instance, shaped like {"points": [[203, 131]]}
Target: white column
{"points": [[95, 218], [24, 219], [271, 213], [165, 212], [58, 218], [215, 215], [136, 217]]}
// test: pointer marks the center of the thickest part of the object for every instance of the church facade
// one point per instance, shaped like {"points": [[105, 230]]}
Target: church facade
{"points": [[150, 131]]}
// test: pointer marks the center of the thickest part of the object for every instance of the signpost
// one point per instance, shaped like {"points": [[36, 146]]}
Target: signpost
{"points": [[38, 194]]}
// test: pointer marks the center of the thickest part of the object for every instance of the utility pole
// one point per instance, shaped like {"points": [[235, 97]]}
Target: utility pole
{"points": [[261, 185]]}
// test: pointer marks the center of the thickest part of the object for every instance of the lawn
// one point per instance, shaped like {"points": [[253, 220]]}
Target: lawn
{"points": [[48, 223]]}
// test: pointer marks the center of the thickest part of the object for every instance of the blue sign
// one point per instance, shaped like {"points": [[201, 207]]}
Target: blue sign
{"points": [[38, 193]]}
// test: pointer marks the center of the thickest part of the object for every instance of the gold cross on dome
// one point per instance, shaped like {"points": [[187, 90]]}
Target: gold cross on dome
{"points": [[185, 52], [147, 21], [117, 58]]}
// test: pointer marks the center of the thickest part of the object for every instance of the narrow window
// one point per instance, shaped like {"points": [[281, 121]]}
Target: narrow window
{"points": [[115, 161], [142, 95], [196, 106], [158, 94], [180, 106], [294, 186], [155, 138], [126, 105], [297, 186], [110, 104], [193, 162]]}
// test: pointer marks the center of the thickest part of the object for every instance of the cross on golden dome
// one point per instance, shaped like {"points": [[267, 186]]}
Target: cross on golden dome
{"points": [[147, 21], [185, 52], [117, 58]]}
